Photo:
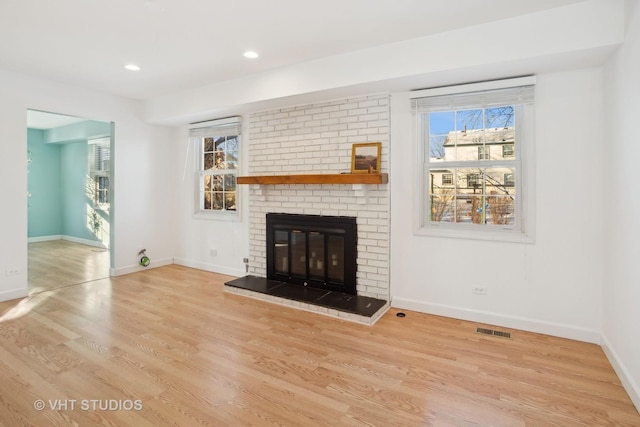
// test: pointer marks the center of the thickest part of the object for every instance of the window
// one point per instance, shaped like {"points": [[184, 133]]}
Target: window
{"points": [[477, 197], [217, 145], [99, 175], [473, 180], [509, 180], [507, 150]]}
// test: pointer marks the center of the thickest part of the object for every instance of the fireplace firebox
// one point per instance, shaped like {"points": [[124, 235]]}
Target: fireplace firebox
{"points": [[312, 250]]}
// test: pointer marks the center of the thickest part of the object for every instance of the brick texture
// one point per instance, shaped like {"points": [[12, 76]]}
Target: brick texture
{"points": [[317, 138]]}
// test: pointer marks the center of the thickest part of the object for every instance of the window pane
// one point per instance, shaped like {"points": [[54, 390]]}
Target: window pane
{"points": [[221, 143], [232, 160], [500, 117], [440, 125], [469, 195], [443, 207], [469, 119], [208, 161], [208, 145], [219, 160], [508, 150], [216, 182], [439, 148], [217, 201], [469, 181], [501, 210], [441, 122], [229, 182], [230, 201], [207, 182], [500, 181], [207, 200], [484, 152]]}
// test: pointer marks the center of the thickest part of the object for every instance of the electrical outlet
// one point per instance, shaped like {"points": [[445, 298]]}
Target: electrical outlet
{"points": [[12, 272], [245, 260], [479, 290]]}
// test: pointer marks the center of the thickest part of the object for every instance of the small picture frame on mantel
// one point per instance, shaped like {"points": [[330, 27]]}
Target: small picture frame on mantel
{"points": [[365, 157]]}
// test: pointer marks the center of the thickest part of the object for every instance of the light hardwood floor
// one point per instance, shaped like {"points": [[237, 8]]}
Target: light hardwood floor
{"points": [[57, 263], [194, 355]]}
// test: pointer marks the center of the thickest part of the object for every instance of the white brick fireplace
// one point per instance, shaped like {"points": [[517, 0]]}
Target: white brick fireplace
{"points": [[317, 139]]}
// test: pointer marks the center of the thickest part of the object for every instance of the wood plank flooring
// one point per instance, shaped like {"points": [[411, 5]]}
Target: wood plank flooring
{"points": [[171, 341], [57, 263]]}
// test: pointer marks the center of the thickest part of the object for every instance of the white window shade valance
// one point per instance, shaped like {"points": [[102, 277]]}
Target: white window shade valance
{"points": [[221, 127], [485, 95]]}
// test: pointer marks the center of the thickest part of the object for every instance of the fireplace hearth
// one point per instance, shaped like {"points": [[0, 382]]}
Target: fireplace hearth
{"points": [[312, 259]]}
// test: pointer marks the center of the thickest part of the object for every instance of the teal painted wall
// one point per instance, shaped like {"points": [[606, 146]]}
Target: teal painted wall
{"points": [[44, 185], [78, 132], [77, 205], [58, 181]]}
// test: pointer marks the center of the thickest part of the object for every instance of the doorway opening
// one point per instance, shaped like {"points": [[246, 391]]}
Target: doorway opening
{"points": [[69, 201]]}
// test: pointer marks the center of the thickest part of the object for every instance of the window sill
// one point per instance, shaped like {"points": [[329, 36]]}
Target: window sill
{"points": [[486, 235], [233, 216]]}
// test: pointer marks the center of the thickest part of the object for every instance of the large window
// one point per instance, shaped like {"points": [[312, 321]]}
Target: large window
{"points": [[217, 155], [467, 191]]}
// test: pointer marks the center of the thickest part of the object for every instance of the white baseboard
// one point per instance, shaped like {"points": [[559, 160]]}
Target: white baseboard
{"points": [[514, 322], [13, 294], [87, 242], [73, 239], [221, 269], [44, 238], [631, 387], [137, 267]]}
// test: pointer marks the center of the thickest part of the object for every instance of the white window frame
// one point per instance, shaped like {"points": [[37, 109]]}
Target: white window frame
{"points": [[466, 96], [102, 170], [197, 133]]}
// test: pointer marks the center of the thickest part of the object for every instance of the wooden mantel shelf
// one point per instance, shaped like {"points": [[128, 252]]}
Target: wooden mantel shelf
{"points": [[340, 178]]}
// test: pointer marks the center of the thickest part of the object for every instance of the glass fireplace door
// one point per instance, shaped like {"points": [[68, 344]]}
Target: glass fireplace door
{"points": [[316, 252]]}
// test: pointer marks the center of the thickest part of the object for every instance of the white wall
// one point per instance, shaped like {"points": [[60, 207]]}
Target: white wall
{"points": [[143, 176], [196, 237], [621, 293], [551, 286]]}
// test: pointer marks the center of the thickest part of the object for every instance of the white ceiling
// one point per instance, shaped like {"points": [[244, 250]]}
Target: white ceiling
{"points": [[184, 44]]}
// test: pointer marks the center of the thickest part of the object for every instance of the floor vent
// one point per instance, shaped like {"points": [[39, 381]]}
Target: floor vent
{"points": [[494, 333]]}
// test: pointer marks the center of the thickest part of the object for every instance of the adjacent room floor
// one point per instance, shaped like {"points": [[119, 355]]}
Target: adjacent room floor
{"points": [[170, 347], [57, 263]]}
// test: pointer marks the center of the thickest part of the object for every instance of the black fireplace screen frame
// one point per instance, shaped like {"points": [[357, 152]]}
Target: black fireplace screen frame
{"points": [[343, 227]]}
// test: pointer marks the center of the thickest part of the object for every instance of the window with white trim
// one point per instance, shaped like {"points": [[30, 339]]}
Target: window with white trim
{"points": [[217, 147], [487, 197], [99, 171]]}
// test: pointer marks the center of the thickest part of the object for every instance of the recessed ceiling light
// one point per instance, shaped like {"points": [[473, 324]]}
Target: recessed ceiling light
{"points": [[132, 67], [250, 54]]}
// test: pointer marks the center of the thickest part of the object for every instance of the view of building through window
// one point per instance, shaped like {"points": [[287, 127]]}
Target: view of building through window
{"points": [[471, 170], [99, 173]]}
